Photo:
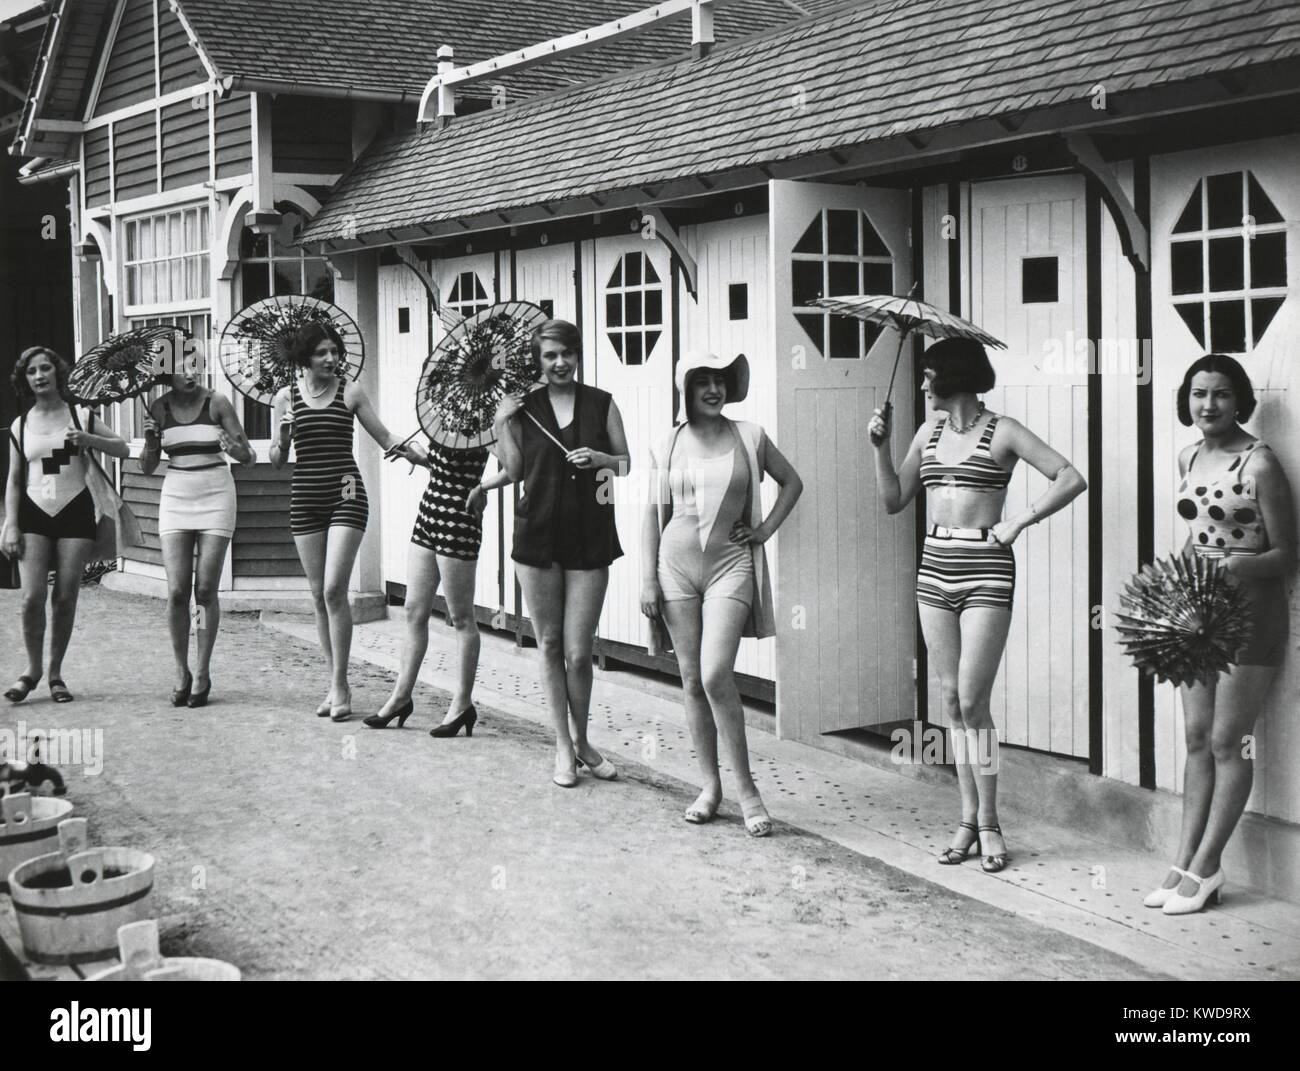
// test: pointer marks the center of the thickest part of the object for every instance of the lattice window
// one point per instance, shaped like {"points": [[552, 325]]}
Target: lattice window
{"points": [[840, 255], [1227, 262], [165, 258], [467, 295], [634, 308]]}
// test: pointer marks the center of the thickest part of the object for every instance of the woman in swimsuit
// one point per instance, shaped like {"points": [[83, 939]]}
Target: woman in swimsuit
{"points": [[50, 521], [1236, 500], [564, 537], [328, 508], [705, 571], [967, 576], [194, 427]]}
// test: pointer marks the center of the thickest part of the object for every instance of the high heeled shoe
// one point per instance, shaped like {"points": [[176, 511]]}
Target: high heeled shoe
{"points": [[953, 856], [602, 771], [563, 777], [992, 864], [758, 823], [323, 711], [1209, 891], [200, 699], [341, 711], [20, 691], [1161, 896], [181, 695], [467, 717], [400, 712]]}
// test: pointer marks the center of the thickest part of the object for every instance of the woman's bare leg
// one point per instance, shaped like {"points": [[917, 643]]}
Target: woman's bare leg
{"points": [[685, 621], [70, 556], [723, 622], [178, 561], [942, 632], [340, 555], [207, 581], [983, 639], [1198, 773], [584, 596], [34, 567], [458, 582], [421, 584], [544, 598], [311, 552]]}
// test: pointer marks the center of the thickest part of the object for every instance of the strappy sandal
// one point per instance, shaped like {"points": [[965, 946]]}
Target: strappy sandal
{"points": [[702, 810], [22, 689], [991, 864], [953, 856], [59, 691], [758, 823]]}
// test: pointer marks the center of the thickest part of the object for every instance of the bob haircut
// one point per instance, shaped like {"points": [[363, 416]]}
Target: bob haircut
{"points": [[1224, 365], [960, 366], [19, 375], [557, 331], [310, 336]]}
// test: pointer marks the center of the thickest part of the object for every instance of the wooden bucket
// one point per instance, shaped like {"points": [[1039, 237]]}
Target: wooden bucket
{"points": [[70, 903], [29, 826], [143, 961]]}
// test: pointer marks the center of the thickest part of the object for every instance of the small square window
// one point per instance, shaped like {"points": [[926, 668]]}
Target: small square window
{"points": [[1039, 281], [738, 301], [403, 320], [547, 306]]}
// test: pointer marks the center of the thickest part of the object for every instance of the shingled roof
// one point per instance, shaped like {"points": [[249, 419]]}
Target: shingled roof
{"points": [[388, 48], [853, 76]]}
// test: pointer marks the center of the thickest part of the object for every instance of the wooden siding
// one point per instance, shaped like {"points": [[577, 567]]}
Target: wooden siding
{"points": [[135, 157], [98, 189], [311, 136], [129, 76], [263, 545], [178, 63], [234, 136], [184, 144], [141, 493]]}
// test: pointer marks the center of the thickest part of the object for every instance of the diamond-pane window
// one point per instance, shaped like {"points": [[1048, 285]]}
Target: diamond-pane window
{"points": [[1227, 263], [634, 308], [840, 254]]}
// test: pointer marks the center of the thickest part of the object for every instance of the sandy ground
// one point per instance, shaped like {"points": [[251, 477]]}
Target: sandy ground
{"points": [[298, 848]]}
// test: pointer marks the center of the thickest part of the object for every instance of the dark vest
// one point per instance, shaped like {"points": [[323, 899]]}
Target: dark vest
{"points": [[538, 524]]}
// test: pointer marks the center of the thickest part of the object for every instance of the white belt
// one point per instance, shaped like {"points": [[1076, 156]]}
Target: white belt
{"points": [[980, 534]]}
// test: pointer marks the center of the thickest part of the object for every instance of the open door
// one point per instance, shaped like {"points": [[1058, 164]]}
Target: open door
{"points": [[845, 595]]}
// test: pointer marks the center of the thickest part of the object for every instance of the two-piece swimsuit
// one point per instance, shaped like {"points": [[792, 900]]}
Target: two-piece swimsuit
{"points": [[963, 568], [327, 489], [198, 492], [1223, 515]]}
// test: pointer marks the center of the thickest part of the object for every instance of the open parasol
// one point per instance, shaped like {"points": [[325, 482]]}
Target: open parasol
{"points": [[126, 365], [1186, 619], [481, 359], [904, 315], [255, 344]]}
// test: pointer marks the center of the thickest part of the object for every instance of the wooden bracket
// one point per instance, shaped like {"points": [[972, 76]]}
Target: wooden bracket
{"points": [[665, 232], [1134, 238], [408, 257]]}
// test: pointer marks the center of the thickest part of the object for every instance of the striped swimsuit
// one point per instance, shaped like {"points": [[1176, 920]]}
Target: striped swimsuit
{"points": [[965, 567], [443, 525], [327, 488]]}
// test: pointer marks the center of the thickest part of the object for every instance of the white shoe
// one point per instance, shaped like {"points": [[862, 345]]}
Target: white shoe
{"points": [[1161, 896], [1209, 890]]}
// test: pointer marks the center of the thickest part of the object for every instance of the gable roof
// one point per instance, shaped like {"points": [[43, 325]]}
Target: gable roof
{"points": [[853, 76], [387, 49]]}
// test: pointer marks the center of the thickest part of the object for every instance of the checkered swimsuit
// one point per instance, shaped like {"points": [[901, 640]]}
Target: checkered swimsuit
{"points": [[443, 525]]}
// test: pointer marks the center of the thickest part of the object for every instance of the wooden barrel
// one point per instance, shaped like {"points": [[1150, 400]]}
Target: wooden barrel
{"points": [[29, 826], [143, 961], [70, 903]]}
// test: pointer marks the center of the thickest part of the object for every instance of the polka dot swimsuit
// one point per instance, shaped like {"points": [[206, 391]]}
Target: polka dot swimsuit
{"points": [[1222, 509]]}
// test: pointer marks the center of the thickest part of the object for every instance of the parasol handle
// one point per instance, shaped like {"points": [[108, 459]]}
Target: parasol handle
{"points": [[545, 432], [888, 407], [397, 446], [885, 411]]}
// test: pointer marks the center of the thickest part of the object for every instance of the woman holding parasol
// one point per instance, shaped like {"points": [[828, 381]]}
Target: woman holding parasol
{"points": [[1236, 500], [967, 574], [194, 426], [328, 508], [566, 452], [51, 507]]}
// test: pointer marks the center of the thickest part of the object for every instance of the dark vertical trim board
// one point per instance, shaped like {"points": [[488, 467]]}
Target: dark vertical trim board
{"points": [[922, 684], [1145, 470], [1096, 724]]}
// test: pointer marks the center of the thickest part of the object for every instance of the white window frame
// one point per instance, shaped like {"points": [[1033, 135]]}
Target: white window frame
{"points": [[644, 327], [200, 255]]}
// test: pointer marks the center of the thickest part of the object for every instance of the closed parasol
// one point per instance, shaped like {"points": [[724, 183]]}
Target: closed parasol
{"points": [[1186, 619], [255, 346], [905, 315]]}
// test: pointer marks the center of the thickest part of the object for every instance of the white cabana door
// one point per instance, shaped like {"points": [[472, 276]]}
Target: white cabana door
{"points": [[846, 615]]}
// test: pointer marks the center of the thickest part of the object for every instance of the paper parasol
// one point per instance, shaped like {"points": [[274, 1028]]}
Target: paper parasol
{"points": [[479, 360], [1186, 619], [255, 344], [128, 364]]}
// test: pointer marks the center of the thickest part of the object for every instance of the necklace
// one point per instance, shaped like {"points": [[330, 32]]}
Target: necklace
{"points": [[966, 427], [315, 394]]}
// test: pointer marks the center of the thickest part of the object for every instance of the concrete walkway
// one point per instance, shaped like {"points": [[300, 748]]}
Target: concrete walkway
{"points": [[298, 848]]}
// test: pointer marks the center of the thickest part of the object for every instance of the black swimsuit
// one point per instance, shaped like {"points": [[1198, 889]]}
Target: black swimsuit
{"points": [[327, 489]]}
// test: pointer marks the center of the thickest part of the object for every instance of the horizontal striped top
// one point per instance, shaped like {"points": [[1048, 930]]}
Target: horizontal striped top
{"points": [[977, 472], [193, 445]]}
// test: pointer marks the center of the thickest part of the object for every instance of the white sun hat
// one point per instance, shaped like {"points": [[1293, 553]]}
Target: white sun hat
{"points": [[735, 370]]}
